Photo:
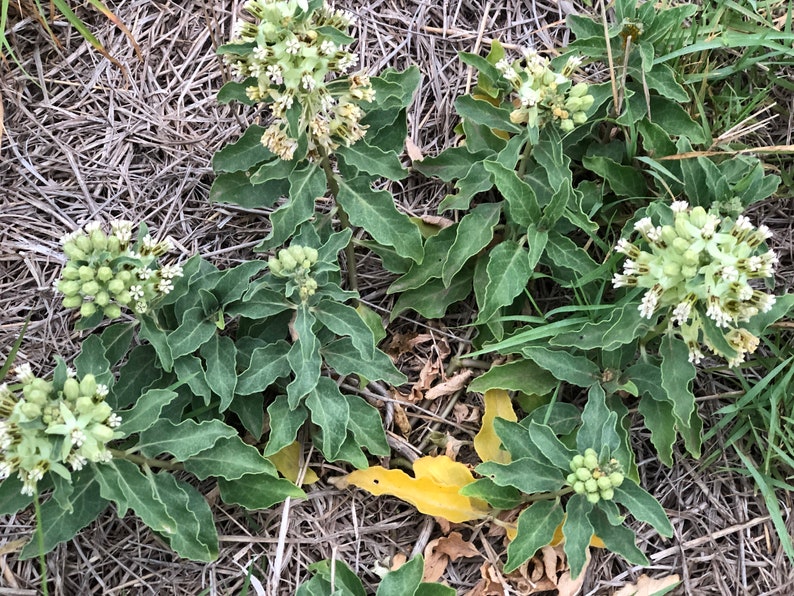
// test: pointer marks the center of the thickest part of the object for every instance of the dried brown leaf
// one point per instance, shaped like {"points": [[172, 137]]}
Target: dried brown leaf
{"points": [[647, 586], [450, 386]]}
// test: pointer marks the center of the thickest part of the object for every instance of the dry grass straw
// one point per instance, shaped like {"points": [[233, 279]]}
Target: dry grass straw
{"points": [[82, 142]]}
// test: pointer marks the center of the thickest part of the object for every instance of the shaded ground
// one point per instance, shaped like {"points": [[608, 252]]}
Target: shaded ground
{"points": [[84, 142]]}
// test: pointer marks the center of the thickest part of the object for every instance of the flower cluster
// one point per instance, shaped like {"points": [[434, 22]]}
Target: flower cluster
{"points": [[595, 481], [544, 95], [291, 52], [105, 272], [296, 262], [46, 428], [701, 265]]}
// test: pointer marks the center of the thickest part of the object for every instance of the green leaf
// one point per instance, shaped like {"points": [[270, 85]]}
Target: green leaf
{"points": [[234, 282], [236, 188], [674, 119], [498, 497], [123, 483], [437, 251], [58, 524], [229, 458], [576, 370], [515, 438], [284, 424], [621, 326], [92, 360], [624, 181], [243, 154], [485, 113], [190, 370], [677, 374], [257, 491], [562, 417], [404, 581], [335, 35], [577, 531], [521, 199], [182, 440], [331, 412], [618, 539], [11, 497], [220, 354], [476, 181], [662, 78], [341, 356], [643, 506], [598, 424], [268, 363], [260, 302], [304, 358], [372, 160], [305, 187], [196, 538], [234, 91], [576, 264], [451, 164], [536, 526], [546, 440], [519, 375], [433, 298], [195, 330], [374, 211], [344, 580], [345, 320], [146, 411], [473, 233], [135, 376], [116, 340], [526, 474], [659, 419], [366, 425], [508, 272]]}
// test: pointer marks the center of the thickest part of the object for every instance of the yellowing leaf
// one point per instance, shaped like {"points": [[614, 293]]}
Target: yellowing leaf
{"points": [[434, 490], [486, 443], [288, 461]]}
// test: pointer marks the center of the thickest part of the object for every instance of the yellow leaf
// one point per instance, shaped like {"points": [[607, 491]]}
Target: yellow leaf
{"points": [[288, 461], [434, 490], [486, 443]]}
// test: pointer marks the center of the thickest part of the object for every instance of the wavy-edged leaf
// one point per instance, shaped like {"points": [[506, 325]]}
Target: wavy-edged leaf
{"points": [[182, 440], [146, 411], [508, 272], [578, 532], [344, 320], [372, 160], [576, 370], [473, 233], [536, 526], [258, 491], [526, 474], [643, 506], [330, 411], [520, 375], [229, 458], [341, 356], [677, 375], [244, 153]]}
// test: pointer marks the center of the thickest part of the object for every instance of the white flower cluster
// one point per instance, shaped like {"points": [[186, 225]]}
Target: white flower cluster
{"points": [[701, 266], [544, 95], [46, 428], [105, 272], [291, 52]]}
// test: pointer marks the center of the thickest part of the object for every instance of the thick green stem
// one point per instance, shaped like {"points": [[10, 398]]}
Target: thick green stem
{"points": [[40, 537], [550, 496], [145, 461], [333, 187], [522, 164]]}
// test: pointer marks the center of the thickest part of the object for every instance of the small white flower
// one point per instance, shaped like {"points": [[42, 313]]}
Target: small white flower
{"points": [[293, 47], [171, 271], [695, 355], [327, 47], [649, 302], [644, 225], [136, 292], [681, 312], [679, 206], [165, 286], [275, 74], [71, 373], [716, 313], [78, 437], [619, 281], [93, 226], [24, 373], [503, 65], [122, 229], [141, 306], [729, 273], [76, 461], [144, 274], [70, 236], [307, 82], [114, 420], [102, 390]]}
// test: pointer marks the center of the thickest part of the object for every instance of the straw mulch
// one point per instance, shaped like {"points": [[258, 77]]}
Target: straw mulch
{"points": [[85, 141]]}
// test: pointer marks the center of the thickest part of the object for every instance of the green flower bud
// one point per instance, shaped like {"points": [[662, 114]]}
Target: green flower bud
{"points": [[593, 498], [578, 488], [566, 125], [275, 265], [70, 272], [698, 216], [87, 309], [572, 479], [102, 298], [591, 485], [88, 385], [83, 242], [616, 479], [587, 102], [578, 90], [577, 462], [101, 412], [70, 250], [579, 117], [30, 410], [84, 404], [36, 396], [124, 276], [72, 301], [102, 433], [104, 273], [112, 311], [604, 482], [311, 254], [607, 494], [116, 286], [288, 262], [296, 252], [590, 459], [98, 240], [86, 273], [124, 297], [71, 389], [89, 288], [114, 245], [69, 288], [583, 474]]}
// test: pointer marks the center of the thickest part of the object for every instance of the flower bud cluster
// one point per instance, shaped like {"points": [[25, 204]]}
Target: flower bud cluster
{"points": [[595, 481], [43, 428], [105, 272], [700, 265], [291, 52], [296, 262], [544, 95]]}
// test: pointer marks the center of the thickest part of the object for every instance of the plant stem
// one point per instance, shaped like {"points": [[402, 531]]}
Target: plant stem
{"points": [[522, 164], [547, 496], [40, 536], [141, 461], [333, 187]]}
